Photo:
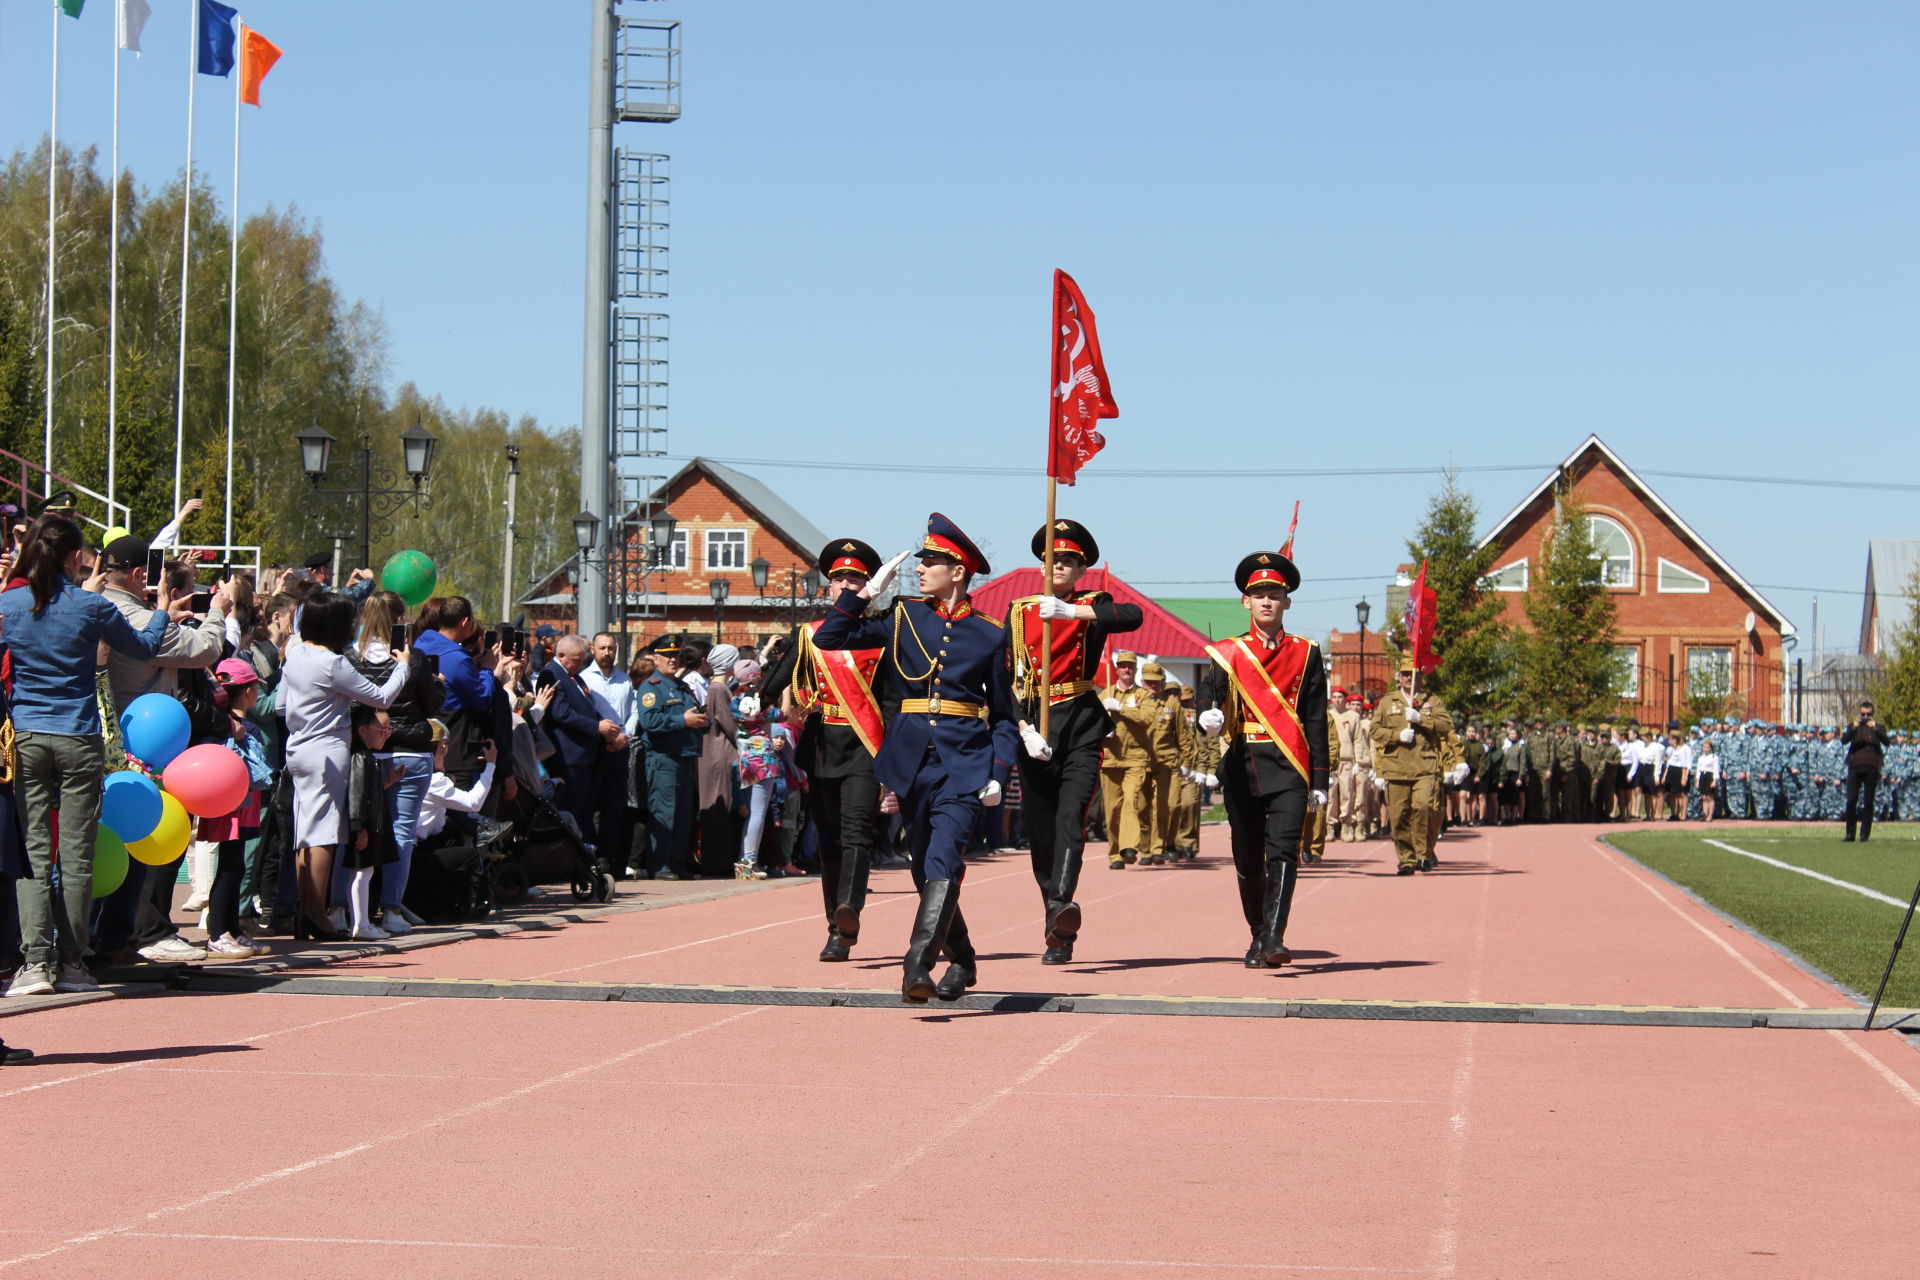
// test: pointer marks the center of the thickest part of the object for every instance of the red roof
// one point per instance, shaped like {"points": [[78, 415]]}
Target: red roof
{"points": [[1160, 634]]}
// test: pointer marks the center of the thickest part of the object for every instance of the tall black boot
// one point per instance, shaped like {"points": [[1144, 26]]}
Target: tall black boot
{"points": [[964, 967], [939, 901], [1282, 874], [1063, 913]]}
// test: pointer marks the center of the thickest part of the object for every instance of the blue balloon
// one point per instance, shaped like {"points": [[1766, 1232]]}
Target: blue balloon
{"points": [[130, 806], [156, 729]]}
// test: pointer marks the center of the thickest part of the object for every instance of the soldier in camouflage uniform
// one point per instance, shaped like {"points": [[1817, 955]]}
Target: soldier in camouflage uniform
{"points": [[1566, 753], [1734, 768], [1603, 762], [1540, 781]]}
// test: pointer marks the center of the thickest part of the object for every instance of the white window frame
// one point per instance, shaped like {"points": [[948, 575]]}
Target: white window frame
{"points": [[1660, 579], [1493, 583], [1607, 563], [1727, 671], [1629, 656], [723, 538], [675, 557]]}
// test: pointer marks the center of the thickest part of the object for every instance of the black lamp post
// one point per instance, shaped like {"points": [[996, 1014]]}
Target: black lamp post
{"points": [[377, 505], [718, 589], [1362, 612], [800, 587], [660, 536], [586, 535]]}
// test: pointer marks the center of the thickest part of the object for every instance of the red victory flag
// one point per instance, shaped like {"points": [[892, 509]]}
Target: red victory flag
{"points": [[257, 56], [1286, 548], [1418, 620], [1081, 394]]}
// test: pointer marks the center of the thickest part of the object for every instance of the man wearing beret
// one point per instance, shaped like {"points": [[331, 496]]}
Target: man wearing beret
{"points": [[1269, 696], [1058, 772], [951, 743]]}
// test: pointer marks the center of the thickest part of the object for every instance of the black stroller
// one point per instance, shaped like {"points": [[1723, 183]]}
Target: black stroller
{"points": [[544, 844]]}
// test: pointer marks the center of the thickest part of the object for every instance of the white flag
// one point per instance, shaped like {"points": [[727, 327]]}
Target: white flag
{"points": [[133, 20]]}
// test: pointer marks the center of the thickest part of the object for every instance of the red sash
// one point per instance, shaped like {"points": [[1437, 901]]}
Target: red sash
{"points": [[1268, 686], [1069, 639], [847, 674]]}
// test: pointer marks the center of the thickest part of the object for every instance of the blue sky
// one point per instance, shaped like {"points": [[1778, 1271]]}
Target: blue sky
{"points": [[1316, 236]]}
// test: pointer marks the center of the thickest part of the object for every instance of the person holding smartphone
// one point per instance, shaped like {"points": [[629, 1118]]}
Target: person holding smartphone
{"points": [[407, 752], [1866, 744]]}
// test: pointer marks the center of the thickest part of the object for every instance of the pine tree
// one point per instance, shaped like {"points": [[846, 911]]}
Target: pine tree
{"points": [[1568, 663], [1475, 676], [1896, 694]]}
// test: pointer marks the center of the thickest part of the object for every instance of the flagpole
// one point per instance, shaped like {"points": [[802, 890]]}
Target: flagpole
{"points": [[1046, 623], [113, 287], [53, 187], [186, 244], [233, 302]]}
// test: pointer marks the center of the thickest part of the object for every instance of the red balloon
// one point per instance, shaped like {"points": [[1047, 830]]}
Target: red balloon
{"points": [[209, 781]]}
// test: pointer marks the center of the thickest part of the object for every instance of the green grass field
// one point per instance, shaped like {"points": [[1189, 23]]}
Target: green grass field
{"points": [[1840, 932]]}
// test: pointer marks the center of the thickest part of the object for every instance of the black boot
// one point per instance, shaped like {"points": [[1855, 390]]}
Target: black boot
{"points": [[836, 948], [1063, 913], [846, 922], [939, 901], [1282, 874], [1059, 953], [964, 969], [1254, 959]]}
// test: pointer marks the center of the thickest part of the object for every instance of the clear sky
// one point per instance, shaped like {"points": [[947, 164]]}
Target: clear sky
{"points": [[1315, 235]]}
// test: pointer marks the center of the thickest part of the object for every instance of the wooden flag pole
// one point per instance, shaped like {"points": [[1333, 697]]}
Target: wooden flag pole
{"points": [[1046, 623]]}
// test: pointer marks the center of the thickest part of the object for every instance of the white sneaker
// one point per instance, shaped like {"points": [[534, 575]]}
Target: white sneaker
{"points": [[74, 977], [195, 902], [337, 919], [408, 914], [369, 932], [394, 923], [170, 949], [230, 947], [32, 980]]}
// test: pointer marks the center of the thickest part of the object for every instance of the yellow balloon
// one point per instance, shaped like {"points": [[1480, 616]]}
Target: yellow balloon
{"points": [[169, 839]]}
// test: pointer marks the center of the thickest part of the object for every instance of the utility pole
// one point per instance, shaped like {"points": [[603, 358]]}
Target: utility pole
{"points": [[591, 576], [513, 492]]}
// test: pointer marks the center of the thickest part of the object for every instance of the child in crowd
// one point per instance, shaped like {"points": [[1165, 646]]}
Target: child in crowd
{"points": [[1707, 767], [368, 842], [241, 683], [761, 768]]}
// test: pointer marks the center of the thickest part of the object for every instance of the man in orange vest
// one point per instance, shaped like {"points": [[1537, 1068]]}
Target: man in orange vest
{"points": [[1269, 695]]}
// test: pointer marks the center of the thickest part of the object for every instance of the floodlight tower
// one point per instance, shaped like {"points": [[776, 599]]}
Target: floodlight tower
{"points": [[634, 78]]}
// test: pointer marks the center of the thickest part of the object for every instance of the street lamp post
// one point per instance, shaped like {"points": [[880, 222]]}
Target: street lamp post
{"points": [[1362, 612], [377, 506], [718, 589], [800, 587]]}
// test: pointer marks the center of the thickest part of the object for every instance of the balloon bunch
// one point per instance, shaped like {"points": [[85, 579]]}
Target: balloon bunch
{"points": [[151, 822]]}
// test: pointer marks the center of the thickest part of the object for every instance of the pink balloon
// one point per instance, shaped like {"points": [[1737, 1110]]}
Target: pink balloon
{"points": [[209, 781]]}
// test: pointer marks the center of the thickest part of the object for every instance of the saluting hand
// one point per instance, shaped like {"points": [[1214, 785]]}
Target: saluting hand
{"points": [[880, 581]]}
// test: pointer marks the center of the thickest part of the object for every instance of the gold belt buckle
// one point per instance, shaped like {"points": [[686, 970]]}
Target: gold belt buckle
{"points": [[933, 705]]}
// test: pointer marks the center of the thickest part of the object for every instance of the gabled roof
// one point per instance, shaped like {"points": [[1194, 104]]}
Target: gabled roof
{"points": [[1595, 445], [1160, 633], [1887, 608]]}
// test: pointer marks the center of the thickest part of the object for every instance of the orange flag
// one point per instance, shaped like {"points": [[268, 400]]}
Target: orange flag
{"points": [[257, 56]]}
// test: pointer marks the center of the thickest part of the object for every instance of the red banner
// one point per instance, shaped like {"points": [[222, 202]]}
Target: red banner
{"points": [[1081, 394], [1418, 620]]}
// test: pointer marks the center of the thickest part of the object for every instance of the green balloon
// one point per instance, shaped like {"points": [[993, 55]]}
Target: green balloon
{"points": [[109, 862], [411, 576]]}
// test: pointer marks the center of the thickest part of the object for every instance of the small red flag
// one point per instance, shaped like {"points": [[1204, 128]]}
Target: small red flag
{"points": [[1081, 395], [1286, 548], [257, 56], [1418, 619]]}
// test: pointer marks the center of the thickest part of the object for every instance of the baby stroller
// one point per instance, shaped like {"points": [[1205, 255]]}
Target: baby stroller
{"points": [[545, 845]]}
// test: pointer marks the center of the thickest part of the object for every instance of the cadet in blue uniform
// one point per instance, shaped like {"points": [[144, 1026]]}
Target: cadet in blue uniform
{"points": [[673, 722], [950, 743]]}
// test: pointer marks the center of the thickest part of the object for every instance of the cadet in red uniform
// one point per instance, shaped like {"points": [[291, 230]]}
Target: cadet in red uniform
{"points": [[1058, 773], [1269, 695], [843, 726], [951, 743]]}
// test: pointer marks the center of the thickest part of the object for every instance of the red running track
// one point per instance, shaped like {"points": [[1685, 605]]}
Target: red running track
{"points": [[195, 1134]]}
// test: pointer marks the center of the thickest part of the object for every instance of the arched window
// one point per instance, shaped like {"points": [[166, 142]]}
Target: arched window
{"points": [[1613, 549]]}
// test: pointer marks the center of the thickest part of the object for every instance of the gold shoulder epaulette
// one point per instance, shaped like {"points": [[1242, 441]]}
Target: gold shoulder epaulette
{"points": [[990, 618]]}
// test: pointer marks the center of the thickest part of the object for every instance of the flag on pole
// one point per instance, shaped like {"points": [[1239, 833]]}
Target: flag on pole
{"points": [[216, 38], [1418, 618], [72, 8], [133, 20], [1286, 548], [1081, 393], [257, 56]]}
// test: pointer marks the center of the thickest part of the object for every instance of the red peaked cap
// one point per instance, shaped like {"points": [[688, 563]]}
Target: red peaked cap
{"points": [[945, 539], [848, 554], [1266, 566]]}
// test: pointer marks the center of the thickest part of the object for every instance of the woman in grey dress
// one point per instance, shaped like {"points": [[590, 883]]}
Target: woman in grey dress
{"points": [[318, 686]]}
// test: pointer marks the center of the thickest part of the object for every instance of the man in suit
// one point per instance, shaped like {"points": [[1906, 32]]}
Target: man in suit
{"points": [[581, 736]]}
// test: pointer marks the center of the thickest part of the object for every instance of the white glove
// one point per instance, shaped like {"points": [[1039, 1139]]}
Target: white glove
{"points": [[1413, 715], [1213, 720], [1316, 800], [1187, 775], [990, 794], [1037, 747], [1379, 783], [749, 706], [1055, 607], [879, 582], [1111, 704], [1406, 735], [1208, 780]]}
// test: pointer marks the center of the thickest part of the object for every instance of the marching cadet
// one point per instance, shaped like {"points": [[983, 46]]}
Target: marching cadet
{"points": [[951, 744], [1166, 750], [1269, 696], [1203, 765], [1370, 792], [1057, 784], [1449, 764], [1314, 846], [1123, 762], [1348, 807], [1406, 753], [843, 725]]}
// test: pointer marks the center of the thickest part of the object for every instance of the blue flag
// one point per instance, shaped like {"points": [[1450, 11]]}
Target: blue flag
{"points": [[216, 38]]}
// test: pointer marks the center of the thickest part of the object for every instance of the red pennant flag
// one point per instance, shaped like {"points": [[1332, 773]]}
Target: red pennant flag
{"points": [[1286, 548], [1418, 619], [1081, 396], [257, 56]]}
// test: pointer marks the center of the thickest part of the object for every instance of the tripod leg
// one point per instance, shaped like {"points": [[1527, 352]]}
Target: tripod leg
{"points": [[1898, 939]]}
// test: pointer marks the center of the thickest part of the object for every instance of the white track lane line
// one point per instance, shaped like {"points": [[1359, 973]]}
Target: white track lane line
{"points": [[358, 1148], [1860, 889], [1443, 1256], [1899, 1083]]}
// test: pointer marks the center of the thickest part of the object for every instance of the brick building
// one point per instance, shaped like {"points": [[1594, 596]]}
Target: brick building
{"points": [[1687, 626], [725, 521]]}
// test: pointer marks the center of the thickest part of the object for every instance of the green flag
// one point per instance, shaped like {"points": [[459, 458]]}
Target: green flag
{"points": [[72, 8]]}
